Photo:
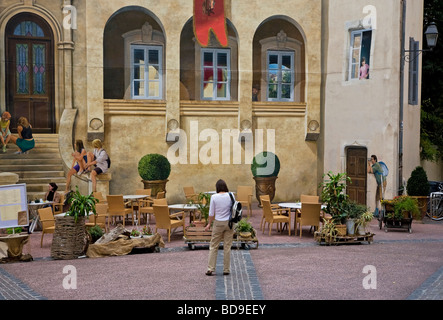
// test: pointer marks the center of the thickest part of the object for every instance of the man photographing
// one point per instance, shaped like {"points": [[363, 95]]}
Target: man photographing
{"points": [[375, 168]]}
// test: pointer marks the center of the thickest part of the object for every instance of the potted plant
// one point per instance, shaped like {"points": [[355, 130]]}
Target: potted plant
{"points": [[418, 187], [333, 194], [361, 224], [354, 212], [328, 232], [405, 207], [265, 168], [244, 229], [70, 238], [135, 233], [146, 231], [154, 169], [203, 206]]}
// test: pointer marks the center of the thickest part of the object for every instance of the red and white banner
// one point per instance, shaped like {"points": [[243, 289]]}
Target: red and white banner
{"points": [[210, 15]]}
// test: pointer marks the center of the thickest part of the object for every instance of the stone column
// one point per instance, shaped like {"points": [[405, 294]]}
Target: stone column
{"points": [[7, 178]]}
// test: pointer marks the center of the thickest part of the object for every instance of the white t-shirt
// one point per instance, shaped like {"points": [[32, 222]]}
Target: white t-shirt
{"points": [[220, 206]]}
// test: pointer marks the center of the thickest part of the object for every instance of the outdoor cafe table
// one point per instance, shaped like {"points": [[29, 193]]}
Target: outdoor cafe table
{"points": [[135, 198], [191, 208], [33, 213], [294, 206]]}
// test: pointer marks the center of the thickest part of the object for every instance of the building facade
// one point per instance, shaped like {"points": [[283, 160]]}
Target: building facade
{"points": [[136, 76]]}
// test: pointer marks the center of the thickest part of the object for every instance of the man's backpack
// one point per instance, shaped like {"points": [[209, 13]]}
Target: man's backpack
{"points": [[109, 161], [236, 211]]}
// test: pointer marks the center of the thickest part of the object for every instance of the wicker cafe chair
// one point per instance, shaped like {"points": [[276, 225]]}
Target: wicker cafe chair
{"points": [[57, 207], [116, 207], [304, 198], [98, 195], [310, 216], [48, 221], [150, 210], [100, 218], [272, 217], [135, 205], [190, 194], [147, 209], [276, 209], [244, 196], [164, 220]]}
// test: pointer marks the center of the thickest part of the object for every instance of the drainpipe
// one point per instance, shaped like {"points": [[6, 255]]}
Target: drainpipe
{"points": [[402, 76]]}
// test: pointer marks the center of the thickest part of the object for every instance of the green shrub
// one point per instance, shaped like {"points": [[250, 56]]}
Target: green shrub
{"points": [[263, 166], [154, 166], [405, 203], [96, 232], [418, 184]]}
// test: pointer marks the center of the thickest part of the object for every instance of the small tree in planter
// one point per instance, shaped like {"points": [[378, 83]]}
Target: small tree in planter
{"points": [[333, 194], [418, 188], [154, 169], [70, 238], [265, 168]]}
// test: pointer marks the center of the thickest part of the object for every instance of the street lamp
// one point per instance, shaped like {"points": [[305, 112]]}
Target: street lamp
{"points": [[431, 34]]}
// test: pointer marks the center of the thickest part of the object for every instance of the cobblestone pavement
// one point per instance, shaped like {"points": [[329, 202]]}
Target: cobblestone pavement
{"points": [[241, 284], [12, 288]]}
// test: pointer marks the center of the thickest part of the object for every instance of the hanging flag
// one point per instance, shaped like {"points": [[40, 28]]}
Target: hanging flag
{"points": [[210, 15]]}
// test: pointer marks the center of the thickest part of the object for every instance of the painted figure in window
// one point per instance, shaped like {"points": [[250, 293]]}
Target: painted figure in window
{"points": [[208, 7], [364, 69]]}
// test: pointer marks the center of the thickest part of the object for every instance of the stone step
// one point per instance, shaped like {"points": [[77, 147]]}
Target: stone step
{"points": [[23, 161], [45, 180], [43, 187], [33, 167], [31, 155], [25, 175], [11, 149]]}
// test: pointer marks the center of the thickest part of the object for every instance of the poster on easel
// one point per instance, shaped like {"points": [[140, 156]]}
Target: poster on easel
{"points": [[13, 206]]}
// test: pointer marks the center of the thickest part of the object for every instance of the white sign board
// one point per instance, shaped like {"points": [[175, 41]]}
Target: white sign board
{"points": [[13, 198]]}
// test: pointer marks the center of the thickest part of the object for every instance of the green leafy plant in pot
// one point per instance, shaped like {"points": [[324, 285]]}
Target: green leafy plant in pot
{"points": [[154, 169], [354, 211], [244, 228], [418, 187], [333, 194], [70, 239], [405, 207], [204, 200], [265, 168]]}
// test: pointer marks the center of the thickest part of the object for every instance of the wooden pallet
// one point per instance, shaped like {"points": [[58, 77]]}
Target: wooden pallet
{"points": [[349, 239], [198, 235]]}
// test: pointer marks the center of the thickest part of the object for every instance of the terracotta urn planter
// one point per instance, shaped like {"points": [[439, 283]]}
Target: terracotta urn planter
{"points": [[156, 186], [263, 186]]}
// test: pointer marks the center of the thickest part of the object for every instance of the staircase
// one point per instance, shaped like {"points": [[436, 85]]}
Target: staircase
{"points": [[38, 168]]}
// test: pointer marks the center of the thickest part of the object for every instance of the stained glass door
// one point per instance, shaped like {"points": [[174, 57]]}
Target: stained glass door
{"points": [[29, 77]]}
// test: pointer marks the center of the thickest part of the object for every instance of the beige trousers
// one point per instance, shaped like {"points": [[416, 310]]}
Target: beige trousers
{"points": [[221, 231]]}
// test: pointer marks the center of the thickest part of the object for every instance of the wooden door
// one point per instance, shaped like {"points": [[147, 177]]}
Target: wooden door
{"points": [[356, 168], [29, 65]]}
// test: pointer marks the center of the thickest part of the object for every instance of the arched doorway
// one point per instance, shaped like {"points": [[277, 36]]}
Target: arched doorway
{"points": [[30, 72]]}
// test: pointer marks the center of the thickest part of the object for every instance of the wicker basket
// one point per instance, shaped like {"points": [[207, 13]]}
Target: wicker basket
{"points": [[70, 238], [341, 229]]}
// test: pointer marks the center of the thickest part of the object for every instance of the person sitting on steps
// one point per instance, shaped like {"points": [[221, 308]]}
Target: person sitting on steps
{"points": [[78, 164], [99, 159]]}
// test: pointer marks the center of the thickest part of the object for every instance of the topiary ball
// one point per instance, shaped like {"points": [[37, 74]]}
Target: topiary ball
{"points": [[265, 164], [418, 184], [154, 166]]}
